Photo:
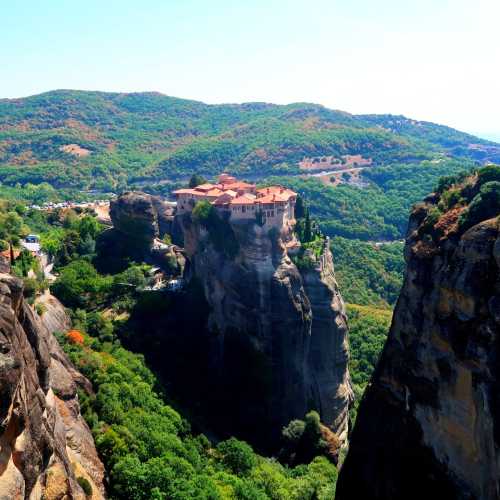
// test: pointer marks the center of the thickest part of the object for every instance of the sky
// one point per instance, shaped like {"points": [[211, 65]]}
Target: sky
{"points": [[435, 60]]}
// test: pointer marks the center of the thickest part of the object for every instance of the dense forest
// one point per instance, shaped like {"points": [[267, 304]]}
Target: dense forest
{"points": [[368, 273]]}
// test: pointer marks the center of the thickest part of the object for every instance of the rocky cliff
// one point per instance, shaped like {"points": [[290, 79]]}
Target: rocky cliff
{"points": [[45, 445], [329, 347], [429, 424], [277, 336]]}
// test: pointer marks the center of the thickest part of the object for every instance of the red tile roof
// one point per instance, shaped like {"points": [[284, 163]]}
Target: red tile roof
{"points": [[205, 187], [228, 193], [214, 192], [244, 199], [225, 197], [273, 198], [276, 190], [239, 185]]}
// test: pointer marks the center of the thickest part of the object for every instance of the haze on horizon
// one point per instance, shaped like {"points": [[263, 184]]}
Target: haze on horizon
{"points": [[434, 60]]}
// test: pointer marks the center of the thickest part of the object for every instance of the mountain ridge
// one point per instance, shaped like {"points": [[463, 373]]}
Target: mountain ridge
{"points": [[106, 140]]}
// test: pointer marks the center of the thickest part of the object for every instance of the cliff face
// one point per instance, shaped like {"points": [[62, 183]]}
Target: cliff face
{"points": [[45, 444], [329, 347], [430, 420], [278, 341]]}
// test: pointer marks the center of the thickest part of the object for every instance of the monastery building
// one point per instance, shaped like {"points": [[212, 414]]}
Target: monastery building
{"points": [[242, 201]]}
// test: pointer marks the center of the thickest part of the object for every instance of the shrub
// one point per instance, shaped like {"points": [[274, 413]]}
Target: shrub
{"points": [[80, 284], [451, 198], [40, 309], [196, 180], [304, 439], [237, 455], [24, 263], [85, 485], [293, 431], [220, 232], [484, 205], [489, 174], [75, 337], [432, 217], [202, 212]]}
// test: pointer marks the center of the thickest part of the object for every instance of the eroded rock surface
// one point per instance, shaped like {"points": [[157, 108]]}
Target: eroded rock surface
{"points": [[44, 442]]}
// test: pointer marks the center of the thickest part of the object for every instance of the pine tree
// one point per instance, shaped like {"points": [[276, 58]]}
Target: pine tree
{"points": [[299, 207], [196, 180], [307, 227]]}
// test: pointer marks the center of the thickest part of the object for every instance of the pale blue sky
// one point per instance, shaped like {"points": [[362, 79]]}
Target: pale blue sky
{"points": [[437, 60]]}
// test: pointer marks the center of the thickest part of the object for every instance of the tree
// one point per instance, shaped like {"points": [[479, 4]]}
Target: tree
{"points": [[12, 227], [307, 227], [131, 278], [52, 241], [87, 246], [299, 207], [79, 285], [489, 174], [196, 180], [24, 262], [293, 432], [88, 226], [484, 205], [237, 455]]}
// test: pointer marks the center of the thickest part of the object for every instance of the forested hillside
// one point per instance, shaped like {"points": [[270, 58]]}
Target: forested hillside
{"points": [[106, 140]]}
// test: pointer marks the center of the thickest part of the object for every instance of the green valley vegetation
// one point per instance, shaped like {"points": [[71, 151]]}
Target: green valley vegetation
{"points": [[368, 273], [150, 451], [107, 141], [368, 329]]}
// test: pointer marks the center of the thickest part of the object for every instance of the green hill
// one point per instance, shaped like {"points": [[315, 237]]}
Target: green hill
{"points": [[109, 140]]}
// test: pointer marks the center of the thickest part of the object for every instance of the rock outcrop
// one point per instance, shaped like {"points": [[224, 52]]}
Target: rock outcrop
{"points": [[140, 216], [45, 445], [429, 424], [277, 336], [138, 220]]}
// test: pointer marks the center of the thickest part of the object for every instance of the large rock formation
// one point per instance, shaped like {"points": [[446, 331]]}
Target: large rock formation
{"points": [[429, 424], [277, 337], [138, 220], [140, 216], [45, 445]]}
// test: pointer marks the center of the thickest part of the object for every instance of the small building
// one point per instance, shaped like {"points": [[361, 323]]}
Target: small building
{"points": [[32, 244]]}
